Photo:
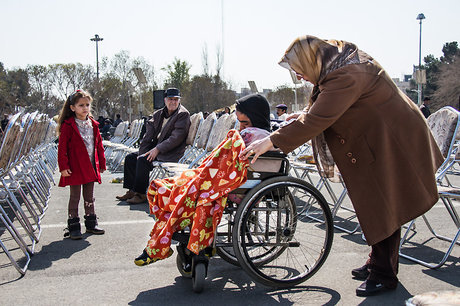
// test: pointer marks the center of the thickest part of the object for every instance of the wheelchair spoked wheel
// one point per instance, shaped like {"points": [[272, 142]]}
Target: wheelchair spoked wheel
{"points": [[283, 232], [224, 246]]}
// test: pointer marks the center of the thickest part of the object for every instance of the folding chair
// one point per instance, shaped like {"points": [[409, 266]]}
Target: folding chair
{"points": [[303, 166], [444, 125]]}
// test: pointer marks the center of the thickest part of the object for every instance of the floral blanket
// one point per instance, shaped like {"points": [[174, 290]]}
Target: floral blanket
{"points": [[196, 198]]}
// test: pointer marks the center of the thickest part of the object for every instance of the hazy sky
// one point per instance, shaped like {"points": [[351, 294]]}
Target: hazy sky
{"points": [[255, 33]]}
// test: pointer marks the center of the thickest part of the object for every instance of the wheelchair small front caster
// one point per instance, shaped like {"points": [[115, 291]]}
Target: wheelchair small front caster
{"points": [[199, 270], [198, 278], [184, 269]]}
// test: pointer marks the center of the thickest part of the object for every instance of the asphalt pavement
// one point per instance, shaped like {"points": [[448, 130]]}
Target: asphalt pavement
{"points": [[99, 270]]}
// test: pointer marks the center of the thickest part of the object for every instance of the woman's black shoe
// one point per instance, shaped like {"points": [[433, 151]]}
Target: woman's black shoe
{"points": [[361, 273], [370, 287]]}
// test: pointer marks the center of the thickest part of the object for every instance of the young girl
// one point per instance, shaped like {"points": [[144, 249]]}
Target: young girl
{"points": [[81, 160]]}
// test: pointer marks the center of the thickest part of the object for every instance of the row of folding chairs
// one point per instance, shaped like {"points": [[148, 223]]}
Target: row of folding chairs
{"points": [[204, 135], [28, 158], [120, 135], [115, 152]]}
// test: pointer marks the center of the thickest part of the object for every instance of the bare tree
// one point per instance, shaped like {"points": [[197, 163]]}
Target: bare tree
{"points": [[448, 92], [219, 61], [204, 60], [66, 78], [41, 94]]}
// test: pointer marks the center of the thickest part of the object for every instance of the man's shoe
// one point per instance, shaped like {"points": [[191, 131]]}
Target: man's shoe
{"points": [[138, 199], [370, 287], [128, 195], [360, 273]]}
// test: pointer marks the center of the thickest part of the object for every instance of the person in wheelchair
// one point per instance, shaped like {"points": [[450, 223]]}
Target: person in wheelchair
{"points": [[377, 137], [196, 198]]}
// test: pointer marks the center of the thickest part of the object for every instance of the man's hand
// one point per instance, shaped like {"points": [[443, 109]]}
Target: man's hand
{"points": [[150, 155], [66, 172]]}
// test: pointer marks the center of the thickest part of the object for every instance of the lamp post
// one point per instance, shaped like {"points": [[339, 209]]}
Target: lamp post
{"points": [[97, 39], [420, 17]]}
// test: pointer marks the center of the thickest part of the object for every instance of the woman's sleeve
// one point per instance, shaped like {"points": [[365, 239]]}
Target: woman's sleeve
{"points": [[338, 94]]}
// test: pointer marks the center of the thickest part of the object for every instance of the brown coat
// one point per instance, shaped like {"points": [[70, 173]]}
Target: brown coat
{"points": [[380, 142], [170, 140]]}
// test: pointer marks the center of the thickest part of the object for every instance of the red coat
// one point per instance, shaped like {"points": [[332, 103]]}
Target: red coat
{"points": [[72, 154]]}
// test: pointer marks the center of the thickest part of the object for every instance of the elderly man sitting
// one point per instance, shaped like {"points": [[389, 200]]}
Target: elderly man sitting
{"points": [[164, 141]]}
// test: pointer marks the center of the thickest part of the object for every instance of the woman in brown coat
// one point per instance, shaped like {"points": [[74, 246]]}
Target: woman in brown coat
{"points": [[378, 138]]}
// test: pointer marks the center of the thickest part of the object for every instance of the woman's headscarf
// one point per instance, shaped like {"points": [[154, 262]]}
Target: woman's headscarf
{"points": [[257, 108], [315, 58]]}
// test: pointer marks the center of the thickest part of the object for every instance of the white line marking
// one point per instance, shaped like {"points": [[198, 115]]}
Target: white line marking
{"points": [[102, 223]]}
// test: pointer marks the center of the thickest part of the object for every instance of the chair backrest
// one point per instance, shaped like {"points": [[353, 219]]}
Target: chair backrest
{"points": [[132, 128], [120, 129], [12, 131], [204, 130], [137, 126], [195, 121], [231, 122], [444, 125], [216, 134]]}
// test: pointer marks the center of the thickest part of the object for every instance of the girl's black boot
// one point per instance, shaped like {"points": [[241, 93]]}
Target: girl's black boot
{"points": [[73, 229], [91, 225]]}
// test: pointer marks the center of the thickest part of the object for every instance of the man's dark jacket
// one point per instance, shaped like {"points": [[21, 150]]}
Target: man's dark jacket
{"points": [[171, 141]]}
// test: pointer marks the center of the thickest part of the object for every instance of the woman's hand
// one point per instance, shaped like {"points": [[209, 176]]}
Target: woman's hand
{"points": [[257, 148], [66, 172]]}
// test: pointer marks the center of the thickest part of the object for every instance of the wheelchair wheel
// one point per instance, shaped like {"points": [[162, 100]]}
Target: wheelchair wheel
{"points": [[199, 275], [283, 232], [181, 266], [224, 246], [227, 254]]}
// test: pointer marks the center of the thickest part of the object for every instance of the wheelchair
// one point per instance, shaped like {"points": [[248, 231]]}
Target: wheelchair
{"points": [[280, 233]]}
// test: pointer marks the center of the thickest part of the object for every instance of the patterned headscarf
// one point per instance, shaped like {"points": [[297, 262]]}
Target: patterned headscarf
{"points": [[315, 58]]}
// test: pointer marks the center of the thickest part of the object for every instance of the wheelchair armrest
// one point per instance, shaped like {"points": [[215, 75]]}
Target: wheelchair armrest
{"points": [[274, 154]]}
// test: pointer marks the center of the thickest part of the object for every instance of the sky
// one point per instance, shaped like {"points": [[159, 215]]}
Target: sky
{"points": [[253, 35]]}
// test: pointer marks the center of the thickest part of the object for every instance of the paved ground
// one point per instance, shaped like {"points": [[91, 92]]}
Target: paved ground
{"points": [[99, 270]]}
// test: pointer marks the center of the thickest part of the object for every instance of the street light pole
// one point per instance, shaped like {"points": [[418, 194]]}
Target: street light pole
{"points": [[97, 39], [420, 17]]}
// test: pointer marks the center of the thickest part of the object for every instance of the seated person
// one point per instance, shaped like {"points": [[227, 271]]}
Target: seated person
{"points": [[117, 121], [197, 197], [281, 112], [105, 129], [164, 141]]}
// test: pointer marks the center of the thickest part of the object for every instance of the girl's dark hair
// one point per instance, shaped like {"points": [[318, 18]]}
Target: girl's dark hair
{"points": [[66, 112]]}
